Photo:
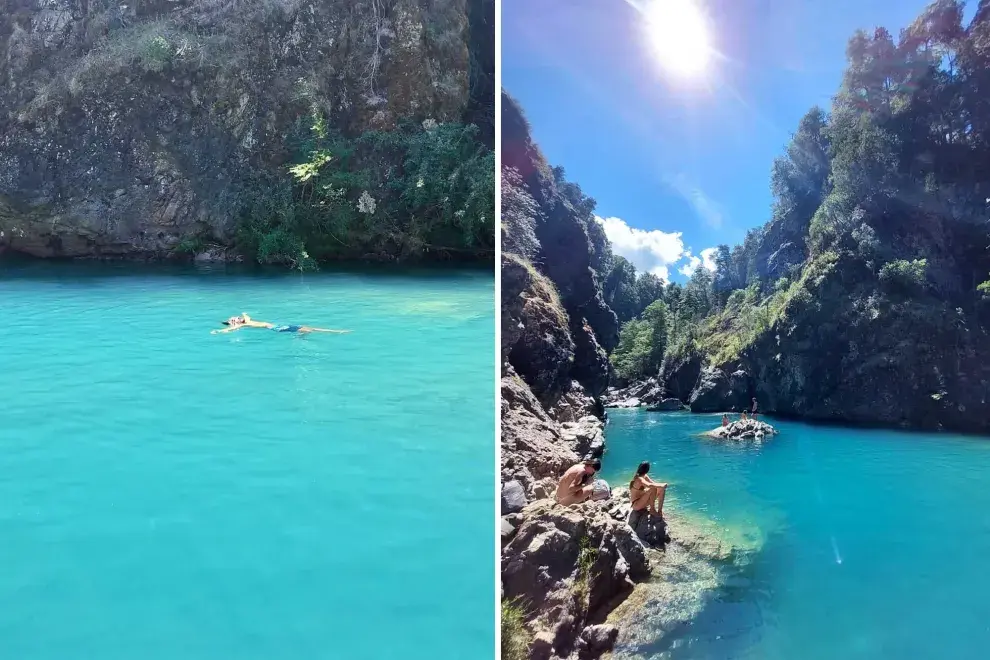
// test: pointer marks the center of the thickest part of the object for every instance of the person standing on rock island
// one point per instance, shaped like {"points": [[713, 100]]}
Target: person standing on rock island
{"points": [[754, 408], [646, 493], [572, 488], [725, 419]]}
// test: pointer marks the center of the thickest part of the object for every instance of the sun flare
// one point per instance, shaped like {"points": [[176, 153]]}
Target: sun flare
{"points": [[678, 33]]}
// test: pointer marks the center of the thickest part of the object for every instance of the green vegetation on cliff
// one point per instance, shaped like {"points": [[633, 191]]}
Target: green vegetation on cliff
{"points": [[413, 192]]}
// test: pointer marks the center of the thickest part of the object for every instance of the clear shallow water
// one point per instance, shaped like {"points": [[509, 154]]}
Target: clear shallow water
{"points": [[165, 493], [853, 543]]}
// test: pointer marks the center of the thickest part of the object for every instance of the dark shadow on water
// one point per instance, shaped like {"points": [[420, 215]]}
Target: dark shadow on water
{"points": [[62, 270]]}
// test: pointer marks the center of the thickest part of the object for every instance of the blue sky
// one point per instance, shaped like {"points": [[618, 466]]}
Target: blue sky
{"points": [[664, 155]]}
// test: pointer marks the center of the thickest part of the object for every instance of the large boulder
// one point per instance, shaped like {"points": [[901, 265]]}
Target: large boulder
{"points": [[513, 497]]}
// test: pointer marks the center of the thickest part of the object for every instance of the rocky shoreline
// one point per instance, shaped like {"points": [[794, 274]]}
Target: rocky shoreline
{"points": [[564, 569], [570, 569]]}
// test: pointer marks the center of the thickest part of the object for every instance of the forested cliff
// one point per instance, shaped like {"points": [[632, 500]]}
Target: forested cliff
{"points": [[864, 298]]}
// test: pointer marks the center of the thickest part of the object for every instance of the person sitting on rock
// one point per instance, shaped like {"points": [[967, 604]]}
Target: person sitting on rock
{"points": [[572, 488], [646, 493], [725, 419], [742, 416]]}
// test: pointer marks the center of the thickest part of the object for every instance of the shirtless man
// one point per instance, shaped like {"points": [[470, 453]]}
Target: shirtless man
{"points": [[245, 321], [571, 489]]}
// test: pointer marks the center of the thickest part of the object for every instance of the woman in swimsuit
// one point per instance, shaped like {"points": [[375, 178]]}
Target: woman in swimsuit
{"points": [[646, 493], [245, 321]]}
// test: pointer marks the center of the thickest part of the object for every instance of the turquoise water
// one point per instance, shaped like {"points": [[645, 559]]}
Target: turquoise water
{"points": [[165, 493], [851, 543]]}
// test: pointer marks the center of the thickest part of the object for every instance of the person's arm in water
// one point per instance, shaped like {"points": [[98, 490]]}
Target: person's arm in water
{"points": [[230, 329]]}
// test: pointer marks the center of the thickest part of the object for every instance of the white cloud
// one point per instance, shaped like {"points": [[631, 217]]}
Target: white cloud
{"points": [[649, 251], [687, 270], [707, 259], [662, 272], [708, 209]]}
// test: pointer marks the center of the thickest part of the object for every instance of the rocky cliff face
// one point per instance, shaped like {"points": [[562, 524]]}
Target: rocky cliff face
{"points": [[846, 348], [126, 128]]}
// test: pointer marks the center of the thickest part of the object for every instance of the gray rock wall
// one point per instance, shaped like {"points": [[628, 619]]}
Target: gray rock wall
{"points": [[127, 127]]}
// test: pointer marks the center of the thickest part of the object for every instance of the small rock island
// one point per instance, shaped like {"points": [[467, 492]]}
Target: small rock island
{"points": [[743, 429]]}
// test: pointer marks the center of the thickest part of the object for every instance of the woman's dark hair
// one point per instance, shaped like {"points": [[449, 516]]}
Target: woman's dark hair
{"points": [[594, 463], [643, 468], [225, 322]]}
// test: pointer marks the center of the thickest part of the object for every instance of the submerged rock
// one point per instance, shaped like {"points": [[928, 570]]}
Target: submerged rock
{"points": [[743, 429]]}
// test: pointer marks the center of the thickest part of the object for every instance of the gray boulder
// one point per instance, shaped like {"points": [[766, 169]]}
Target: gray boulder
{"points": [[513, 497]]}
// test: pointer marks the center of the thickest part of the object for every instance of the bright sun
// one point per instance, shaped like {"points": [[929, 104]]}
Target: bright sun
{"points": [[679, 35]]}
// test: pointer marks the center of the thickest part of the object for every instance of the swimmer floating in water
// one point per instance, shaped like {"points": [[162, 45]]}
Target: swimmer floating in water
{"points": [[245, 321]]}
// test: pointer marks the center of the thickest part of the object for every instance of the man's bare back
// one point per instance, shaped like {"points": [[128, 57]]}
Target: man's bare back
{"points": [[570, 489]]}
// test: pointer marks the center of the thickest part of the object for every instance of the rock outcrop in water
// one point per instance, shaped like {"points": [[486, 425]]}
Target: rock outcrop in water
{"points": [[743, 429], [134, 129]]}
